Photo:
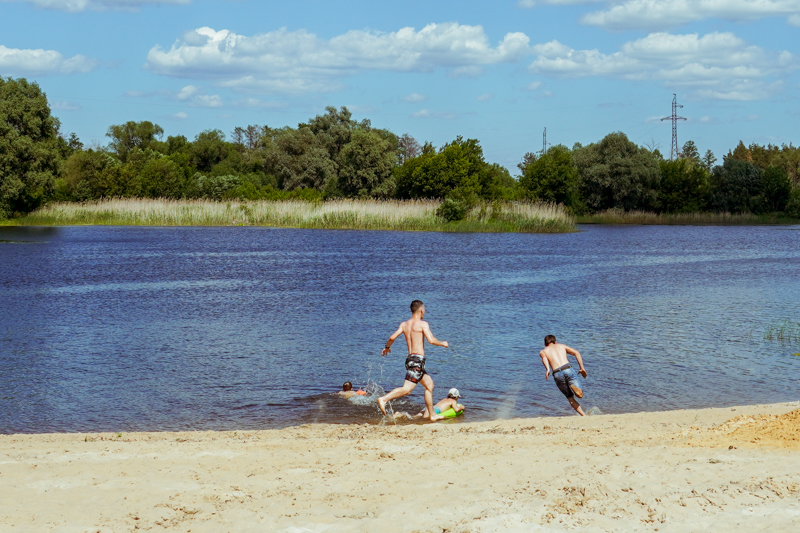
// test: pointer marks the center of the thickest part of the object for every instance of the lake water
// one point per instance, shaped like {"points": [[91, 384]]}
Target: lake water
{"points": [[144, 328]]}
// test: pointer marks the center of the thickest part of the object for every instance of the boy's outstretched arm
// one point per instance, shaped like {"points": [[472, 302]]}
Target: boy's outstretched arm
{"points": [[578, 357], [426, 329], [546, 364], [394, 336]]}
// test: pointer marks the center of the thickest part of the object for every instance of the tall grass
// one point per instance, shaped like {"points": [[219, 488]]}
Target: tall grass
{"points": [[618, 216], [785, 331], [334, 214]]}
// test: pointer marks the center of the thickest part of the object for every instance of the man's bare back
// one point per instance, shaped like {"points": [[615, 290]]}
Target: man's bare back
{"points": [[415, 332], [556, 354]]}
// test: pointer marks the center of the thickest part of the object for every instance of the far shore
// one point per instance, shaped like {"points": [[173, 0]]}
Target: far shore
{"points": [[729, 469]]}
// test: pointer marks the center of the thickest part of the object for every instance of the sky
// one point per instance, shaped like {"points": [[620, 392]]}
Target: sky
{"points": [[500, 71]]}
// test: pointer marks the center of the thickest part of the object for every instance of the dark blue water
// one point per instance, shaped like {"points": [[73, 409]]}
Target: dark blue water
{"points": [[121, 329]]}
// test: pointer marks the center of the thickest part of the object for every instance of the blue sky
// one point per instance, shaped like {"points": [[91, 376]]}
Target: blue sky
{"points": [[500, 72]]}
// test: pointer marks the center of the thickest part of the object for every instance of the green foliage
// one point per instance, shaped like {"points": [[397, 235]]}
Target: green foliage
{"points": [[457, 165], [615, 173], [775, 188], [126, 137], [735, 187], [553, 177], [160, 177], [793, 205], [217, 187], [366, 163], [208, 149], [452, 210], [684, 186], [30, 151]]}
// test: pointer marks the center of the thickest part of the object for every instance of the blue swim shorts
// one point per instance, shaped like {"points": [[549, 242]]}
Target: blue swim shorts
{"points": [[565, 379]]}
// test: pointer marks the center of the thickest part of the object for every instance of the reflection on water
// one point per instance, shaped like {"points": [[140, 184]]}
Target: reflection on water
{"points": [[128, 328]]}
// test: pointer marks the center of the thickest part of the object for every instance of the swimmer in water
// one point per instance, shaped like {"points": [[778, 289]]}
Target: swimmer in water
{"points": [[416, 332], [441, 406], [348, 392], [554, 356]]}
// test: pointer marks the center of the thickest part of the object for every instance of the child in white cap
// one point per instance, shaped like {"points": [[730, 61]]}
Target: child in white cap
{"points": [[443, 405]]}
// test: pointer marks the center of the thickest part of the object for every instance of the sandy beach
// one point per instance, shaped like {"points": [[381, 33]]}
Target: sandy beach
{"points": [[726, 469]]}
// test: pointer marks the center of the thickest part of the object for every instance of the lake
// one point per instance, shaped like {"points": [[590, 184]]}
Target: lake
{"points": [[155, 329]]}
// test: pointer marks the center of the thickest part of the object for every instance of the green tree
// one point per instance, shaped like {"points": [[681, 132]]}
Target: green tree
{"points": [[29, 147], [126, 137], [298, 161], [208, 149], [553, 177], [458, 166], [735, 186], [90, 175], [708, 161], [615, 173], [161, 178], [366, 163], [775, 188], [690, 152], [684, 186]]}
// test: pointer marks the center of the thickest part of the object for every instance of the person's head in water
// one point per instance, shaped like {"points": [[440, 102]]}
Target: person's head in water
{"points": [[347, 386], [550, 339], [417, 305]]}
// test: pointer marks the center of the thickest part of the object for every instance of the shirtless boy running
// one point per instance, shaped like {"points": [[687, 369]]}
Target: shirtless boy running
{"points": [[554, 356], [416, 331]]}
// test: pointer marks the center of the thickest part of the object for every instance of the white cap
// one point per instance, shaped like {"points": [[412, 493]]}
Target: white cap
{"points": [[454, 393]]}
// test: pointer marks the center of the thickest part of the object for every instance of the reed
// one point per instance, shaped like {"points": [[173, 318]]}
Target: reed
{"points": [[784, 331], [412, 215], [618, 216]]}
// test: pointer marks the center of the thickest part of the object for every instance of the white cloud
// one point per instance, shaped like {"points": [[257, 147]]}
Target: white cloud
{"points": [[256, 103], [532, 86], [663, 14], [716, 65], [427, 113], [62, 105], [794, 20], [299, 61], [78, 6], [527, 4], [422, 113], [42, 62], [190, 95], [415, 98], [180, 115], [485, 97]]}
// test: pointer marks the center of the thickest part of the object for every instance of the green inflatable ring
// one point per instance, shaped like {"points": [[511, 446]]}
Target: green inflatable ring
{"points": [[452, 413]]}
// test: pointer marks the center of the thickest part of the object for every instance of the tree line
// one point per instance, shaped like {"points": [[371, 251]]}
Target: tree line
{"points": [[333, 155]]}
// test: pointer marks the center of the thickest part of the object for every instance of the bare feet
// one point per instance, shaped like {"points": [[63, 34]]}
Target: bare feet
{"points": [[577, 390], [436, 417], [382, 405]]}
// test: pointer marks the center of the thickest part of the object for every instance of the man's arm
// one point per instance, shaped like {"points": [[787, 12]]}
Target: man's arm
{"points": [[394, 336], [577, 355], [426, 329], [546, 363]]}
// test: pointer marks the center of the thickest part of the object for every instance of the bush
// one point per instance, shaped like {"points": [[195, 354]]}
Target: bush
{"points": [[793, 205], [452, 210]]}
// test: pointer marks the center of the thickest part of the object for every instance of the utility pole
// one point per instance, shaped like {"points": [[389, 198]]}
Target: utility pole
{"points": [[544, 142], [674, 151]]}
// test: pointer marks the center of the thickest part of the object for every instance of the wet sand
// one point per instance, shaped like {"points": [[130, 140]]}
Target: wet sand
{"points": [[726, 469]]}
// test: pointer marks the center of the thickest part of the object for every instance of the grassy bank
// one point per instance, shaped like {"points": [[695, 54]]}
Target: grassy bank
{"points": [[335, 214], [616, 216]]}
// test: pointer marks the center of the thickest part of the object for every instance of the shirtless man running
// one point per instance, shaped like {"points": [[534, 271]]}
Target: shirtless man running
{"points": [[554, 356], [416, 331]]}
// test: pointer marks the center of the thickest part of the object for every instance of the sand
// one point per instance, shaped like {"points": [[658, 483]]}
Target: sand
{"points": [[726, 469]]}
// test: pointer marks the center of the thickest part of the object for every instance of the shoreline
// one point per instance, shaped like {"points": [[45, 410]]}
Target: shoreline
{"points": [[719, 468]]}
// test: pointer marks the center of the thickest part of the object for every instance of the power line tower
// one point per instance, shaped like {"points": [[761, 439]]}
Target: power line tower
{"points": [[674, 151], [545, 144]]}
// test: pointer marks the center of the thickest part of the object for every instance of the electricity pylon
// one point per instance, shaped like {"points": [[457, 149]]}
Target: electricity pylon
{"points": [[674, 151]]}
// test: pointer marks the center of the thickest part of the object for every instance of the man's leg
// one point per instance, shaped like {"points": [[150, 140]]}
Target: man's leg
{"points": [[427, 382], [575, 405], [407, 387]]}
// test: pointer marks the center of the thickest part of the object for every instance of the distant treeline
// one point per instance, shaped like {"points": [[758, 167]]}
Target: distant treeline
{"points": [[334, 156]]}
